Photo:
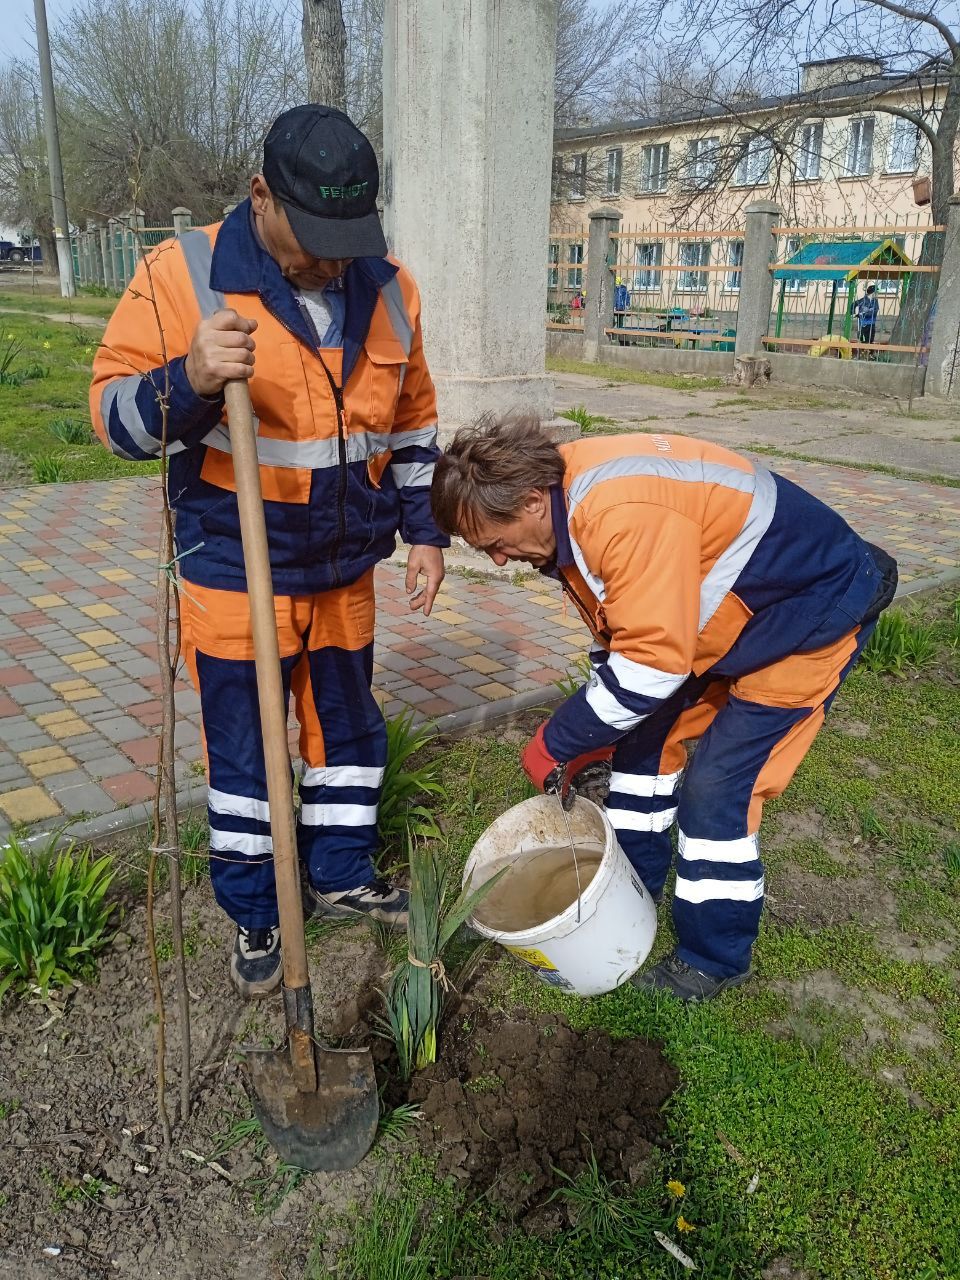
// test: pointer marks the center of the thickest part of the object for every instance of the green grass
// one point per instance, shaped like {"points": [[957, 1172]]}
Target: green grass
{"points": [[34, 409], [830, 1084], [617, 373], [83, 304], [774, 451]]}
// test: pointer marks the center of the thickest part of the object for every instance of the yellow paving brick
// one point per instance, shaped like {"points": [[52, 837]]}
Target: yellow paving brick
{"points": [[471, 642], [82, 655], [67, 686], [99, 639], [450, 615], [548, 602], [97, 544], [494, 690], [115, 575], [570, 622], [486, 666], [81, 695], [144, 553], [61, 764], [54, 717], [73, 727], [38, 754], [102, 610], [10, 528], [28, 804], [111, 520], [942, 560], [33, 566], [90, 664], [46, 602]]}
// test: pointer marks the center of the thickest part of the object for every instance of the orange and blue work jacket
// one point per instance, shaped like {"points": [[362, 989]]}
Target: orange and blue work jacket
{"points": [[687, 560], [346, 435]]}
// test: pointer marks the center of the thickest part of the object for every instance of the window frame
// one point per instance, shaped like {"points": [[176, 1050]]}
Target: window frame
{"points": [[574, 265], [693, 268], [647, 170], [753, 146], [860, 122], [903, 126], [816, 127], [614, 154], [698, 152], [650, 269], [735, 262]]}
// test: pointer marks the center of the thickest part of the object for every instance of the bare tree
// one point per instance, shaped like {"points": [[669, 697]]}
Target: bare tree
{"points": [[595, 50], [364, 67], [24, 188], [324, 48], [180, 93]]}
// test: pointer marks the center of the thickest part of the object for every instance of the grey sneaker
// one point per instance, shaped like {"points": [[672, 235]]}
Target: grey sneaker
{"points": [[683, 981], [255, 966], [378, 900]]}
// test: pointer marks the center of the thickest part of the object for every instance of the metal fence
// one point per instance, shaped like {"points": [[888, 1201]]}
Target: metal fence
{"points": [[566, 280], [854, 292], [108, 255]]}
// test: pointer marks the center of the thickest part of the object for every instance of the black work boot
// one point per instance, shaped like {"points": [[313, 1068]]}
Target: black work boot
{"points": [[255, 966], [684, 981]]}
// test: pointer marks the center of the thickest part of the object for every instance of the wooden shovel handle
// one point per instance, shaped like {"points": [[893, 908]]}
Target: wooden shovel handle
{"points": [[266, 649]]}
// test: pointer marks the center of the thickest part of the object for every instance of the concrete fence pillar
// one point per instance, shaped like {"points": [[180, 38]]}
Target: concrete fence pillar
{"points": [[114, 276], [601, 258], [756, 278], [182, 220], [943, 361], [106, 255]]}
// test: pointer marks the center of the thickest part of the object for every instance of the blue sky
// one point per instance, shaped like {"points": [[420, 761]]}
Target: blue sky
{"points": [[16, 28]]}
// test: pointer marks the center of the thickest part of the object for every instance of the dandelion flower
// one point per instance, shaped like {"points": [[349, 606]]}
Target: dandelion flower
{"points": [[684, 1225], [11, 336], [87, 350], [676, 1188], [46, 346]]}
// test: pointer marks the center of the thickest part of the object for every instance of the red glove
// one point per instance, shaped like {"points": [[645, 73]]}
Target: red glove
{"points": [[548, 774]]}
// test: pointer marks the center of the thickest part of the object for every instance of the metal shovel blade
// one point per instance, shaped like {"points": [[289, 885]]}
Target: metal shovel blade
{"points": [[330, 1129]]}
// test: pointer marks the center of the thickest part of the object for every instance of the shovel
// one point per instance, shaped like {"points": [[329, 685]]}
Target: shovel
{"points": [[318, 1106]]}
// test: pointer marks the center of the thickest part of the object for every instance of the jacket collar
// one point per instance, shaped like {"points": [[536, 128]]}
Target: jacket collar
{"points": [[563, 556], [241, 265]]}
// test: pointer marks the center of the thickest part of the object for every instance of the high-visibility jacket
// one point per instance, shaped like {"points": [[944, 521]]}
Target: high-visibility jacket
{"points": [[346, 451], [684, 559]]}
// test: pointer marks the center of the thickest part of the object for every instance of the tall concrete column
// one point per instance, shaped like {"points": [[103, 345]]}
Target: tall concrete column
{"points": [[598, 312], [943, 361], [468, 138], [756, 278], [182, 220]]}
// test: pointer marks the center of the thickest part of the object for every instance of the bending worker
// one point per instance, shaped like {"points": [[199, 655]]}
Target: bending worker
{"points": [[727, 605], [294, 292]]}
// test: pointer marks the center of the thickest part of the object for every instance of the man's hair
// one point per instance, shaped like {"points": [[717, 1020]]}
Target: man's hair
{"points": [[871, 288], [488, 470]]}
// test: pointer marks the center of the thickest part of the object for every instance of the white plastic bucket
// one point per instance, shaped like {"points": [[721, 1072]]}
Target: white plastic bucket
{"points": [[591, 946]]}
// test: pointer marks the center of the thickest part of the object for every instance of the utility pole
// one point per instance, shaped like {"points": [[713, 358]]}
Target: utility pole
{"points": [[61, 227]]}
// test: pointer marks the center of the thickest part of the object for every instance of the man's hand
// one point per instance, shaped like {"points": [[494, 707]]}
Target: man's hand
{"points": [[221, 349], [548, 774], [429, 562]]}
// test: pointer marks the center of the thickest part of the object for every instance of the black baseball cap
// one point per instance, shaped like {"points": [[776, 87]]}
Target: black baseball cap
{"points": [[324, 172]]}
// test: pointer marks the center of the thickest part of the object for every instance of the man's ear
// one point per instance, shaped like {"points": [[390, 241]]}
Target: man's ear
{"points": [[535, 503], [259, 193]]}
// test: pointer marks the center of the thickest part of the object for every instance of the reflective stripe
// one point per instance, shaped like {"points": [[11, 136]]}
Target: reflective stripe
{"points": [[238, 806], [240, 842], [120, 394], [315, 455], [606, 707], [666, 468], [746, 849], [627, 820], [342, 775], [718, 890], [593, 582], [199, 258], [638, 678], [392, 295], [732, 562], [645, 784], [338, 815], [411, 475]]}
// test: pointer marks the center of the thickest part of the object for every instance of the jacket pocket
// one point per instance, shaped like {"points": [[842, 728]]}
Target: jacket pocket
{"points": [[387, 364], [721, 633]]}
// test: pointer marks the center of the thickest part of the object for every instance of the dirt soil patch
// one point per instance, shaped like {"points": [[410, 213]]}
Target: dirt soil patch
{"points": [[514, 1100]]}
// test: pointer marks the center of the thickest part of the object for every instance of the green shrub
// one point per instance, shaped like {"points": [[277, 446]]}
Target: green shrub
{"points": [[899, 643], [576, 676], [585, 420], [54, 917], [402, 814], [48, 468], [71, 430]]}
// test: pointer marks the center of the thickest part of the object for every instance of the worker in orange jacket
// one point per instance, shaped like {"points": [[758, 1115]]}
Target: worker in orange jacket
{"points": [[295, 293], [727, 604]]}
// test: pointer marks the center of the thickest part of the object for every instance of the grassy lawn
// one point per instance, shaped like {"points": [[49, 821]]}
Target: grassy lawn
{"points": [[816, 1127], [45, 426], [87, 304], [617, 373]]}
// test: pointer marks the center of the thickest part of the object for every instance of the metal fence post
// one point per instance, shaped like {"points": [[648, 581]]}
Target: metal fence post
{"points": [[598, 309], [943, 361], [756, 279]]}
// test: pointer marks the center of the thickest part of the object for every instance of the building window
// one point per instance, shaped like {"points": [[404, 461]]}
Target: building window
{"points": [[614, 170], [811, 148], [702, 155], [553, 272], [693, 253], [653, 167], [904, 146], [794, 284], [753, 166], [860, 146], [648, 256], [735, 260], [577, 177], [556, 178], [575, 272]]}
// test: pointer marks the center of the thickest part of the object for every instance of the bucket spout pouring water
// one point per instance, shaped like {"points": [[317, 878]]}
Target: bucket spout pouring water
{"points": [[570, 906]]}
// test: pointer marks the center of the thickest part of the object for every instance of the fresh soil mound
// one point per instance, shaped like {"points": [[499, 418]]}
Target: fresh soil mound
{"points": [[514, 1100]]}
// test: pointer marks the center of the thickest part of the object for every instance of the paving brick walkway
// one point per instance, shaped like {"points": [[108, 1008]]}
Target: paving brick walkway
{"points": [[79, 685]]}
